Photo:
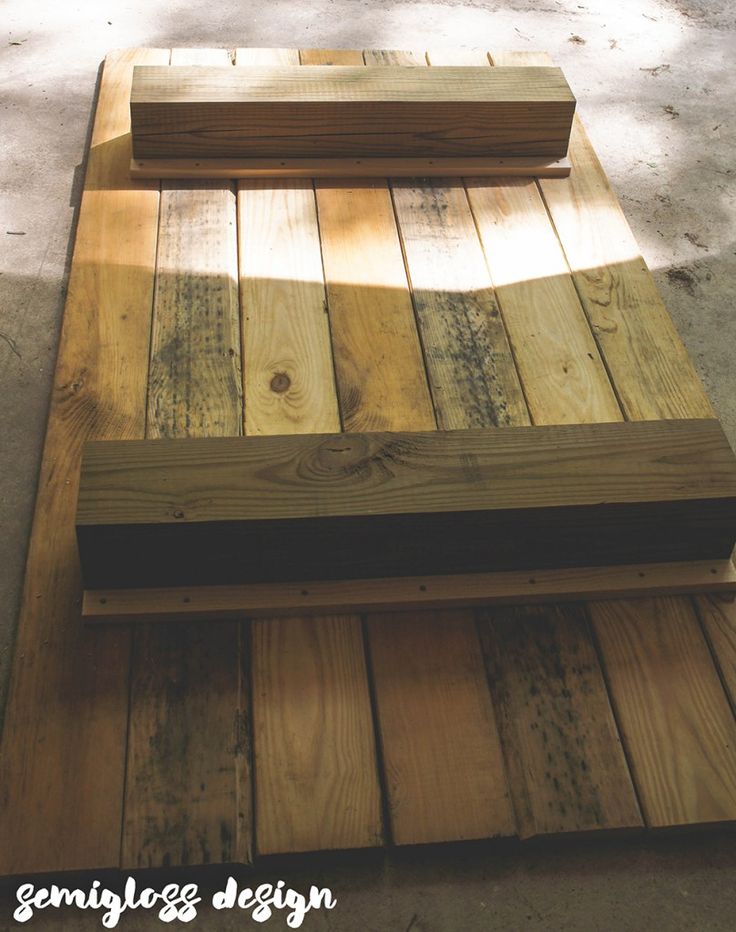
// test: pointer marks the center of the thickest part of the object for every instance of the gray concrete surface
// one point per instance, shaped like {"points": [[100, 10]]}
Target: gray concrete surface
{"points": [[656, 86]]}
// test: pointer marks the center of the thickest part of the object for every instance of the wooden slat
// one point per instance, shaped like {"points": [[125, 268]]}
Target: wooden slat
{"points": [[671, 708], [606, 780], [408, 593], [650, 367], [288, 376], [654, 379], [437, 656], [564, 753], [316, 777], [558, 359], [718, 614], [382, 383], [349, 168], [316, 783], [63, 750], [188, 780]]}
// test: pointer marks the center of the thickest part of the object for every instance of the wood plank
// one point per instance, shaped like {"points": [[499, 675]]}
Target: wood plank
{"points": [[718, 615], [330, 753], [188, 777], [556, 722], [372, 322], [408, 593], [289, 381], [63, 751], [470, 365], [371, 315], [559, 688], [653, 378], [407, 681], [339, 111], [345, 506], [349, 168], [316, 778], [671, 708], [650, 367], [562, 373]]}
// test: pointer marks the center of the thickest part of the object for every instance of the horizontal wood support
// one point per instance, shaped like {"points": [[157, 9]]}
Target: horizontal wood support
{"points": [[220, 603], [477, 167], [346, 111], [264, 509]]}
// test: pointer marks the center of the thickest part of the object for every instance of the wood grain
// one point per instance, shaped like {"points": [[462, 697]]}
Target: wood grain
{"points": [[407, 593], [288, 374], [428, 803], [316, 779], [673, 714], [316, 776], [565, 759], [649, 365], [537, 795], [372, 329], [718, 615], [63, 751], [343, 111], [188, 773], [343, 506], [654, 379]]}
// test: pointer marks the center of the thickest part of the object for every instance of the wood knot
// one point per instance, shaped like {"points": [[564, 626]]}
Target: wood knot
{"points": [[280, 383]]}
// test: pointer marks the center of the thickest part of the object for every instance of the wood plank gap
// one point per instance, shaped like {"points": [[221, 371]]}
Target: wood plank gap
{"points": [[718, 620]]}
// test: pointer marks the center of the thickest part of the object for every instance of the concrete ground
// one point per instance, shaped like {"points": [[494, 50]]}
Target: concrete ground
{"points": [[655, 85]]}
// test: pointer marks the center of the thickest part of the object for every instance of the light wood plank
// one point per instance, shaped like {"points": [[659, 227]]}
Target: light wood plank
{"points": [[316, 777], [650, 367], [63, 751], [561, 370], [316, 772], [718, 615], [408, 593], [428, 668], [373, 329], [610, 783], [671, 708], [566, 763], [654, 379], [288, 375], [378, 358], [188, 773]]}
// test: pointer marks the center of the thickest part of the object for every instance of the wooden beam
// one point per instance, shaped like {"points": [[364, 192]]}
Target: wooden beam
{"points": [[349, 111], [235, 510]]}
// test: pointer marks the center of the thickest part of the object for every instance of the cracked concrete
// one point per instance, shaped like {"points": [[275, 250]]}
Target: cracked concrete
{"points": [[655, 85]]}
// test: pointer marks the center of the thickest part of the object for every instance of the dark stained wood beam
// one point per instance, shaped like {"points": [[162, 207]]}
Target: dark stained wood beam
{"points": [[344, 506]]}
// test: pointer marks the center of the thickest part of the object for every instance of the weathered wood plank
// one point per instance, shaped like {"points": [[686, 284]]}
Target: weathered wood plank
{"points": [[566, 764], [673, 714], [188, 777], [373, 327], [718, 614], [316, 773], [63, 751], [559, 687], [653, 378], [346, 506]]}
